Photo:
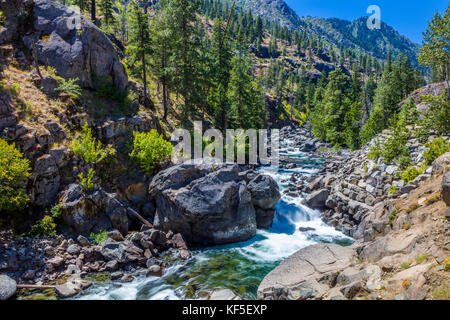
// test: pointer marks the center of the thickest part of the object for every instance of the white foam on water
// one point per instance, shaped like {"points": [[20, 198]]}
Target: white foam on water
{"points": [[275, 244]]}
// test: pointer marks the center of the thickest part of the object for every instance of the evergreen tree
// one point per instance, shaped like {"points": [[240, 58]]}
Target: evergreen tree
{"points": [[435, 50], [139, 44], [221, 56], [245, 95], [182, 22], [107, 10], [162, 50]]}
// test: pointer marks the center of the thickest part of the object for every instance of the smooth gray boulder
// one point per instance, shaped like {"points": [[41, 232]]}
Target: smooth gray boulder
{"points": [[317, 199], [8, 287], [264, 191], [209, 204], [307, 274], [74, 46]]}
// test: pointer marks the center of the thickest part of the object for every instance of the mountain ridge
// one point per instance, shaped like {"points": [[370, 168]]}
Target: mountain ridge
{"points": [[353, 34]]}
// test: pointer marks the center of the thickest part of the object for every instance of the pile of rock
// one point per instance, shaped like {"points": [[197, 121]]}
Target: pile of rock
{"points": [[32, 261]]}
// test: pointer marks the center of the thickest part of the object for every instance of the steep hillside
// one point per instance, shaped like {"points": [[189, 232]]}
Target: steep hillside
{"points": [[355, 34], [350, 34], [273, 10]]}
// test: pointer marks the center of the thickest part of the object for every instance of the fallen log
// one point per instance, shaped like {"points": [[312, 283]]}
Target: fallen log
{"points": [[34, 286], [139, 217]]}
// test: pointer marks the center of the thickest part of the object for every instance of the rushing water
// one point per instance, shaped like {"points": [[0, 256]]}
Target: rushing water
{"points": [[239, 266]]}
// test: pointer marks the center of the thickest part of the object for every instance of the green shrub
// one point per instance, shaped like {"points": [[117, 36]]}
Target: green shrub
{"points": [[100, 237], [69, 87], [87, 182], [54, 212], [404, 161], [89, 149], [375, 152], [150, 149], [392, 216], [436, 117], [46, 227], [14, 170], [436, 148], [392, 189], [395, 145], [410, 174]]}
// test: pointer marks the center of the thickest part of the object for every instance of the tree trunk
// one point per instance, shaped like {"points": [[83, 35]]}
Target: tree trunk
{"points": [[93, 17], [164, 100]]}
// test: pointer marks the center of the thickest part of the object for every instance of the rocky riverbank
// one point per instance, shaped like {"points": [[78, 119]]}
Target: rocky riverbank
{"points": [[402, 231]]}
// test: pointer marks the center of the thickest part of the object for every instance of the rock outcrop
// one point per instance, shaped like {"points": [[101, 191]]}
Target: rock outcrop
{"points": [[92, 212], [307, 274], [64, 40], [212, 203]]}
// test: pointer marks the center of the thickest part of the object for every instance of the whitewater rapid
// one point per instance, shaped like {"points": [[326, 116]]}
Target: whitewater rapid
{"points": [[239, 267]]}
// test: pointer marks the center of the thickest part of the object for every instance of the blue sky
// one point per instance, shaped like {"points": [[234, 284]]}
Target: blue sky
{"points": [[409, 17]]}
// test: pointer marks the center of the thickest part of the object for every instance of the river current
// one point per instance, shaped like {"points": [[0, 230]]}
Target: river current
{"points": [[239, 267]]}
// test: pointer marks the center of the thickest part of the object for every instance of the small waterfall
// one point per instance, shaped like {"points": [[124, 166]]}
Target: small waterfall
{"points": [[239, 267]]}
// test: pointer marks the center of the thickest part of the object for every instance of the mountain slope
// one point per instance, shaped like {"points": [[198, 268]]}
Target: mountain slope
{"points": [[350, 34], [355, 34], [273, 10]]}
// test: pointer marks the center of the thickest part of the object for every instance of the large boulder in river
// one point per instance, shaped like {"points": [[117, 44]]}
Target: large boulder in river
{"points": [[8, 287], [74, 46], [208, 204], [264, 190]]}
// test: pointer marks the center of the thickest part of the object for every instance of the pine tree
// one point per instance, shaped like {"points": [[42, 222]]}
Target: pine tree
{"points": [[182, 21], [162, 50], [435, 50], [106, 8], [221, 56], [245, 95], [139, 44]]}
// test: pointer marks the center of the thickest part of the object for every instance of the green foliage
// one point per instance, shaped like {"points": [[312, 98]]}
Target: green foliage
{"points": [[14, 170], [409, 115], [150, 149], [99, 237], [69, 87], [392, 216], [89, 149], [375, 151], [422, 258], [328, 117], [46, 227], [436, 148], [353, 126], [106, 90], [87, 182], [392, 189], [373, 126], [247, 110], [410, 174], [139, 43], [436, 117], [55, 212], [435, 50], [394, 146]]}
